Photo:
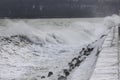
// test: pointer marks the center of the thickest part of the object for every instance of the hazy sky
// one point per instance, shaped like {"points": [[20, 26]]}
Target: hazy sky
{"points": [[57, 8]]}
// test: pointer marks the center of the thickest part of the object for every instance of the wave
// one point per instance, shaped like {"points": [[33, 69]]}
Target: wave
{"points": [[39, 49], [78, 33]]}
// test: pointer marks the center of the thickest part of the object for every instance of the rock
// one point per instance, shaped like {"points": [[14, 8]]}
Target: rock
{"points": [[61, 78], [42, 77], [66, 72], [78, 63], [50, 73]]}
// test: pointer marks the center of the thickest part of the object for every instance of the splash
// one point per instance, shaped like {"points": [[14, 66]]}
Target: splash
{"points": [[31, 50]]}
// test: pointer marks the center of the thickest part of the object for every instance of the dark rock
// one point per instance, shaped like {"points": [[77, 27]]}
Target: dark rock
{"points": [[90, 49], [73, 67], [102, 36], [70, 64], [79, 56], [62, 78], [83, 49], [97, 53], [78, 63], [50, 73], [74, 59], [42, 77], [66, 72], [87, 52]]}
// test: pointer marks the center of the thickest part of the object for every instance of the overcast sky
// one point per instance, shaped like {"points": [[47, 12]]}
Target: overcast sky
{"points": [[58, 8]]}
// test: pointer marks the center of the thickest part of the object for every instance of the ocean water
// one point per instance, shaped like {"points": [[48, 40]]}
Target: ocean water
{"points": [[63, 27], [54, 21], [31, 48]]}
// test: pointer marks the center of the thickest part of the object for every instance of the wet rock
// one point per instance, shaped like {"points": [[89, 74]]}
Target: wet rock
{"points": [[97, 53], [86, 53], [62, 78], [42, 77], [66, 72], [79, 56], [70, 65], [78, 63], [74, 59], [83, 49], [50, 73], [102, 36], [90, 49]]}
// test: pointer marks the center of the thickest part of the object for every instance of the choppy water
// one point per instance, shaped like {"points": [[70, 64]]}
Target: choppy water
{"points": [[52, 21], [31, 48]]}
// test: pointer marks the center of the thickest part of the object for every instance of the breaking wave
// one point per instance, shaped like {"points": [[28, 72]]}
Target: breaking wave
{"points": [[38, 49], [77, 33]]}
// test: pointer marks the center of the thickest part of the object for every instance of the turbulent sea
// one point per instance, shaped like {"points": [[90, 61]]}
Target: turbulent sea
{"points": [[51, 49]]}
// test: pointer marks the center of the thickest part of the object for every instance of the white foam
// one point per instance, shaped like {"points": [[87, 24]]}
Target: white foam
{"points": [[61, 44]]}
